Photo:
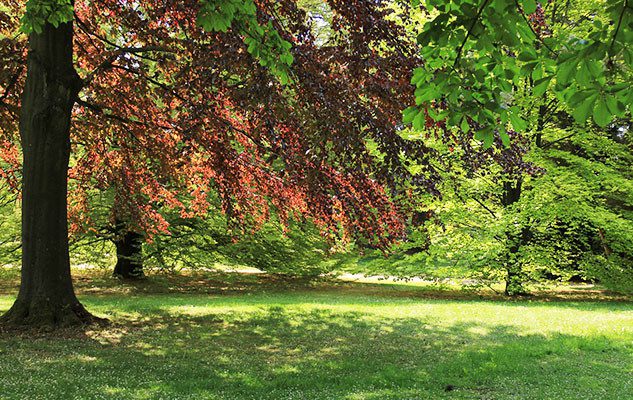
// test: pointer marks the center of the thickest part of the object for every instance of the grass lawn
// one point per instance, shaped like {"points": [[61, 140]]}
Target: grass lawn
{"points": [[218, 339]]}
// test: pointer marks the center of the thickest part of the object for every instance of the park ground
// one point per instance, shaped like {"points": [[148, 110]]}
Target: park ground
{"points": [[236, 336]]}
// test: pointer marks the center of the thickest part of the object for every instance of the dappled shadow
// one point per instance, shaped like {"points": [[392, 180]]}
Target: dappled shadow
{"points": [[97, 282], [93, 281], [201, 282], [572, 298], [317, 353]]}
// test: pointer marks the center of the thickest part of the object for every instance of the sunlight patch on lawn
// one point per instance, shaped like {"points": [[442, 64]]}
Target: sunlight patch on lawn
{"points": [[6, 302]]}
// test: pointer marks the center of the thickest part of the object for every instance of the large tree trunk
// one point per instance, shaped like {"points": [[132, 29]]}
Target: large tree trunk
{"points": [[46, 297], [129, 247]]}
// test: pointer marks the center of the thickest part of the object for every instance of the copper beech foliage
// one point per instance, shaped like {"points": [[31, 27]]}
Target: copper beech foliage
{"points": [[170, 113]]}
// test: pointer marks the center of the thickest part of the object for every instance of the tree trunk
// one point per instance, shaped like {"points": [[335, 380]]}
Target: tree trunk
{"points": [[46, 297], [515, 276], [511, 192], [514, 281], [129, 246]]}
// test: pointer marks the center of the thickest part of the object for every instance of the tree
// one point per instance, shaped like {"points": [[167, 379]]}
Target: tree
{"points": [[504, 73], [336, 102], [165, 106], [501, 95], [46, 294]]}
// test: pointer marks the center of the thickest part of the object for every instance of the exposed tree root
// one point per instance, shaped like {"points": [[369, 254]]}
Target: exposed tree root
{"points": [[47, 316]]}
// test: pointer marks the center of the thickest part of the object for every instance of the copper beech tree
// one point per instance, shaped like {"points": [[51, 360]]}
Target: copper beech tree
{"points": [[166, 102]]}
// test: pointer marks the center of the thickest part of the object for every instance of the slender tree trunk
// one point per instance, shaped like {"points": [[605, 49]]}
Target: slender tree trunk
{"points": [[129, 246], [540, 125], [511, 194], [515, 277], [46, 297]]}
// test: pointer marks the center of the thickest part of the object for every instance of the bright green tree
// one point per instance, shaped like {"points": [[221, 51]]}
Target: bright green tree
{"points": [[478, 54]]}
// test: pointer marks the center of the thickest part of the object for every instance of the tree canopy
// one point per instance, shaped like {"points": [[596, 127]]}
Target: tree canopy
{"points": [[364, 122], [480, 54]]}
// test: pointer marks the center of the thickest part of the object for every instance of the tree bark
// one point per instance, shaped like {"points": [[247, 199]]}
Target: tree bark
{"points": [[515, 276], [129, 247], [46, 297], [511, 192]]}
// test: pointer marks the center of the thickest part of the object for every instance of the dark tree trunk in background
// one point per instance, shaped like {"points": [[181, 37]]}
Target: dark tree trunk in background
{"points": [[46, 297], [515, 277], [511, 192], [540, 124], [129, 252]]}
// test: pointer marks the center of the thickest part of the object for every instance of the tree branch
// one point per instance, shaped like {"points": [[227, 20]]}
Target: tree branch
{"points": [[101, 110], [469, 32], [617, 29], [540, 40], [545, 146], [485, 207]]}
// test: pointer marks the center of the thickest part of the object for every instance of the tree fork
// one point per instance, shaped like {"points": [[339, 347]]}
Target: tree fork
{"points": [[46, 298]]}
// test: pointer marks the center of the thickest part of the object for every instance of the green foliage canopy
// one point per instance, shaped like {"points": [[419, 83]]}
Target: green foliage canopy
{"points": [[478, 53]]}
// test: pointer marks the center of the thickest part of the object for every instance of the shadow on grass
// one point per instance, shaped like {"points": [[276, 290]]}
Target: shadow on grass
{"points": [[99, 282], [279, 353]]}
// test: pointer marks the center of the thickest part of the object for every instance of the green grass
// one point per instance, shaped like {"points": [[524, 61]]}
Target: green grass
{"points": [[347, 341]]}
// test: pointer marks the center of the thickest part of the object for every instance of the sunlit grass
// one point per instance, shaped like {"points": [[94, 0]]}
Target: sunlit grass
{"points": [[327, 342]]}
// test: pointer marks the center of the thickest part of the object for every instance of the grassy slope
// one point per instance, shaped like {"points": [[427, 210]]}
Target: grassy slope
{"points": [[323, 342]]}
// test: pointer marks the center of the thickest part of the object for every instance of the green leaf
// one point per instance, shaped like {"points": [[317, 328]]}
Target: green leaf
{"points": [[486, 136], [584, 109], [595, 68], [409, 114], [419, 121], [419, 77], [584, 76], [615, 106], [518, 123], [565, 71], [540, 86], [576, 98], [488, 140], [464, 125], [505, 138], [529, 6], [527, 55], [601, 114], [424, 94]]}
